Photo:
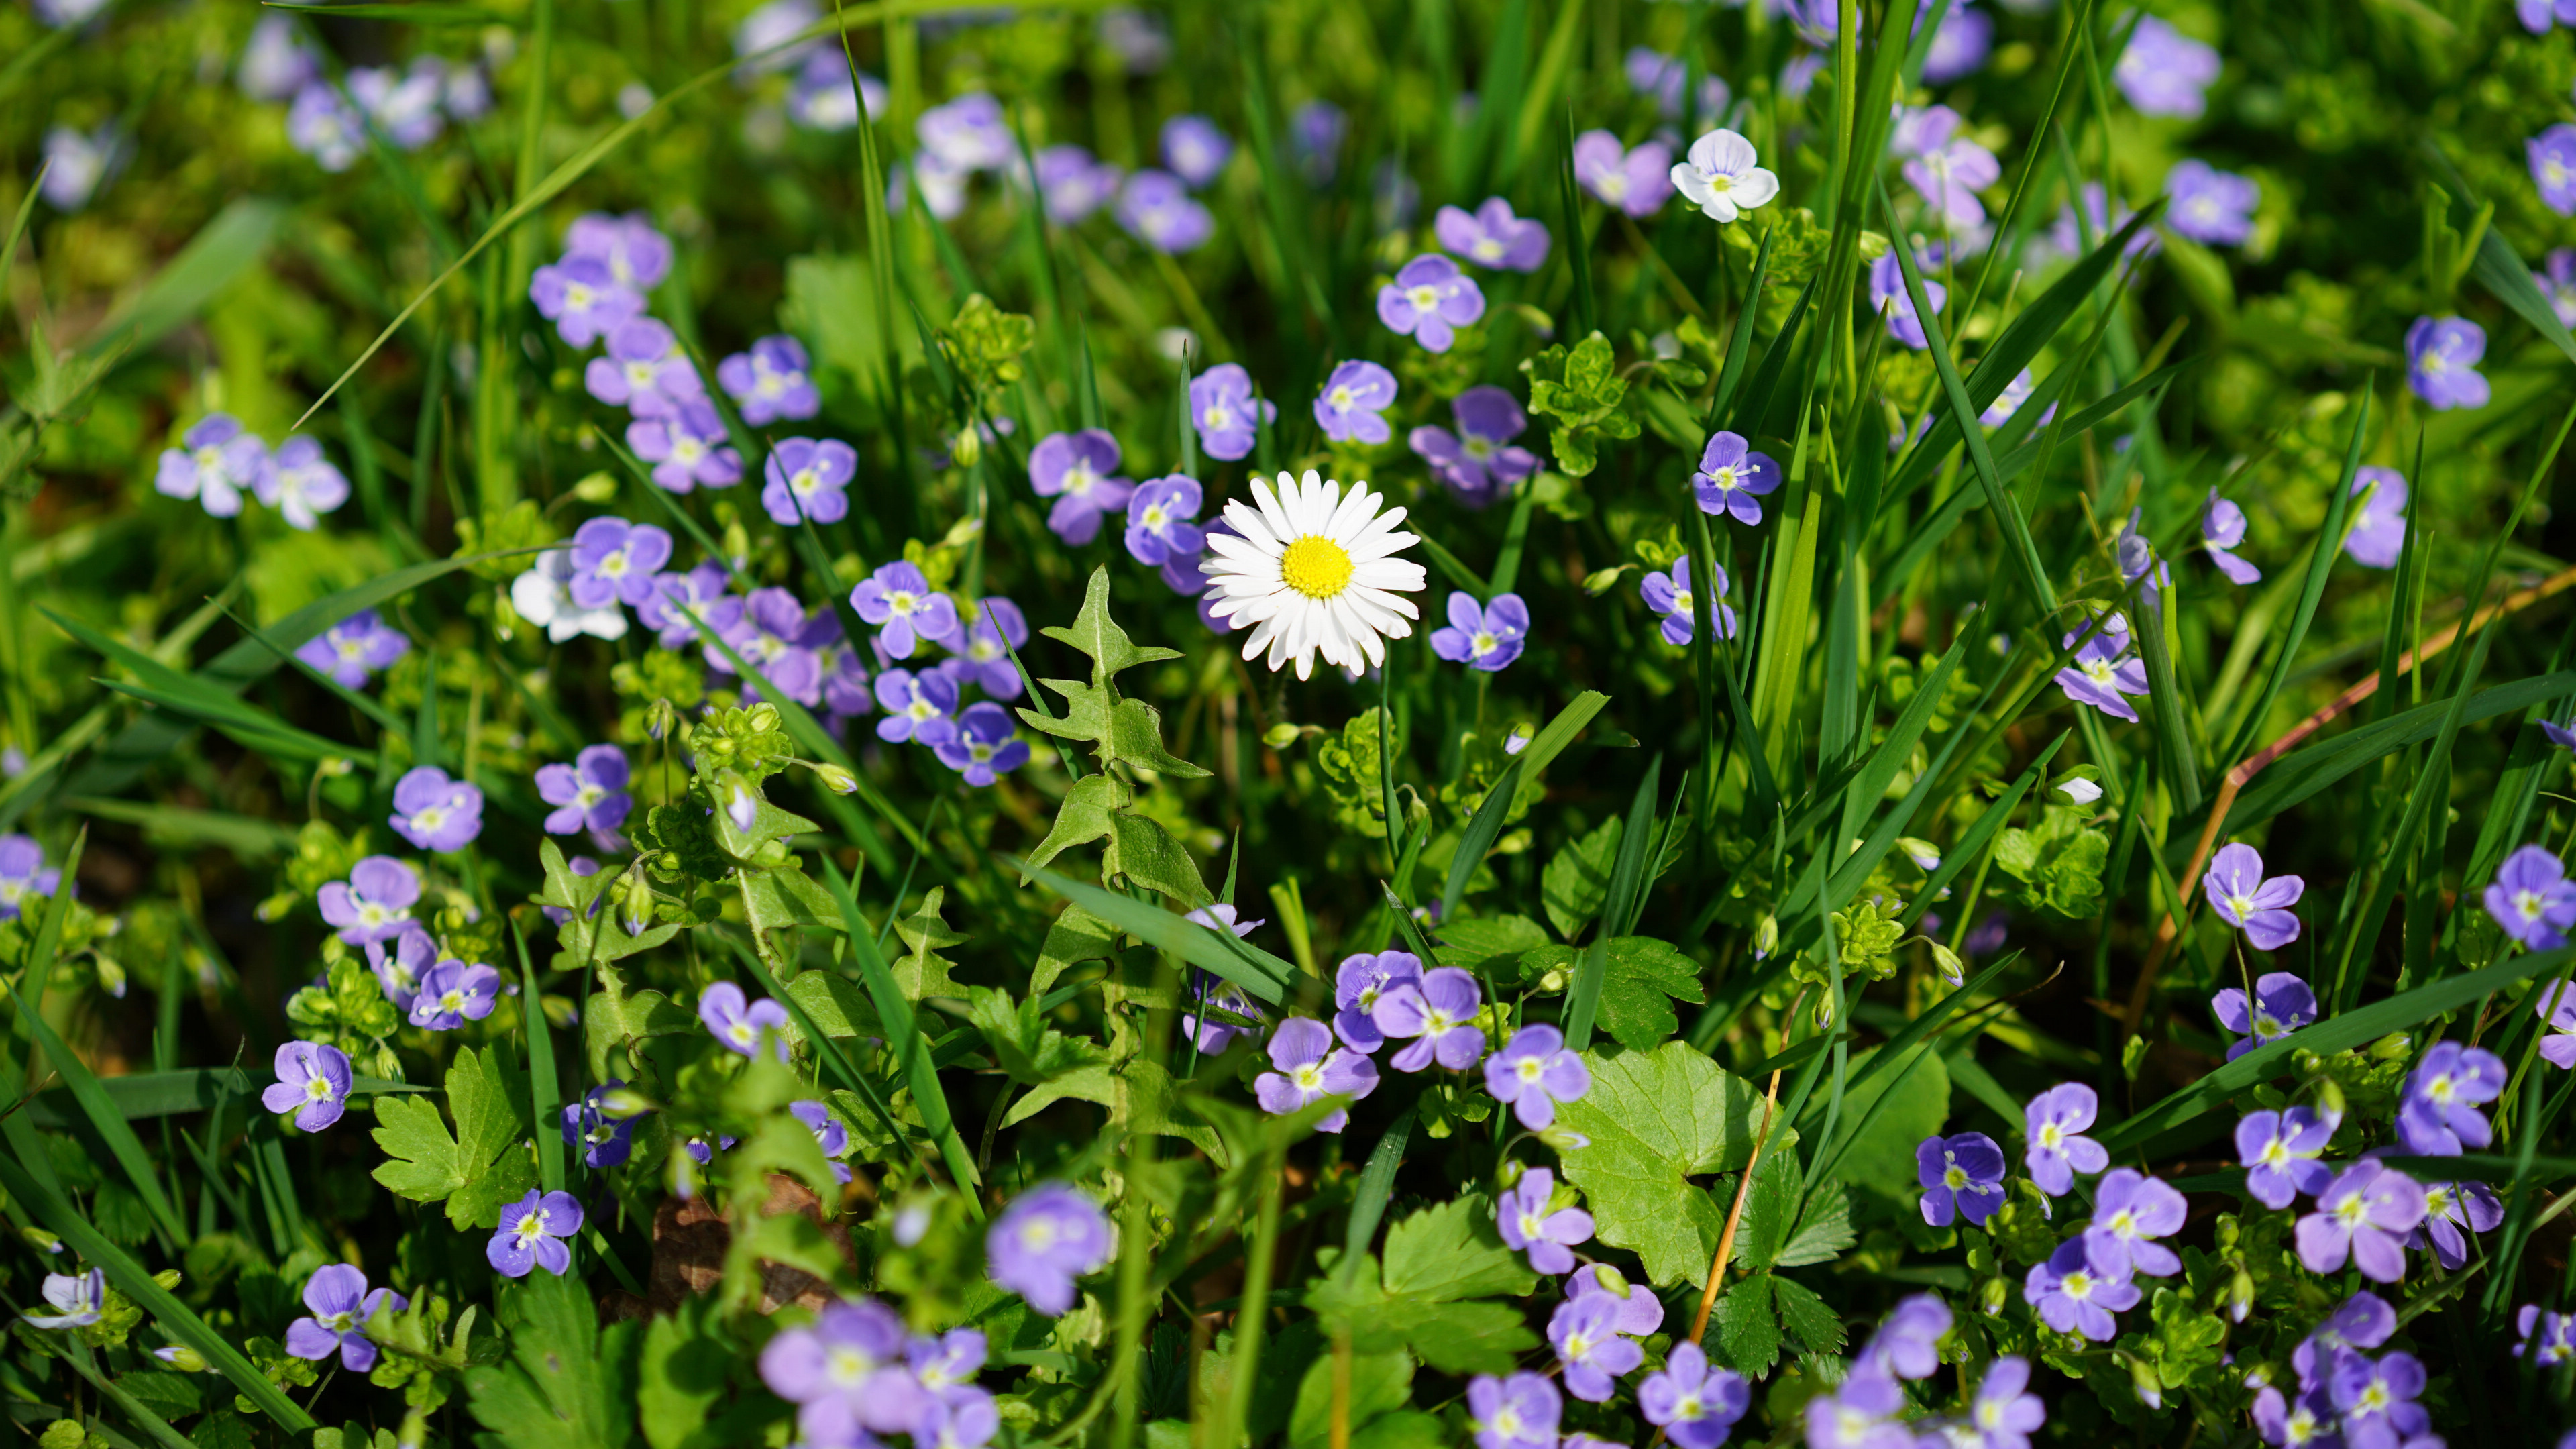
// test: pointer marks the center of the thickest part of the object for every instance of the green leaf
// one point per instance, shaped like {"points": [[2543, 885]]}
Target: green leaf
{"points": [[836, 1005], [1238, 961], [1380, 1384], [1824, 1230], [1136, 736], [1644, 977], [683, 1373], [1451, 1252], [614, 1018], [1747, 1329], [1885, 1116], [1086, 713], [1577, 878], [1483, 938], [1098, 636], [1024, 1046], [1770, 1208], [567, 1384], [1656, 1120], [1458, 1338], [1086, 815], [591, 933], [1141, 852], [1075, 936], [477, 1168], [1816, 1327], [924, 972]]}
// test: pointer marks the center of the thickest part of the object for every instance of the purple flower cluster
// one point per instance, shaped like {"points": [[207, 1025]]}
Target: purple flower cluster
{"points": [[1047, 1238], [1478, 462], [1429, 300], [855, 1373], [218, 460], [1225, 412], [1487, 637], [354, 649], [339, 1305], [2104, 673], [1668, 595], [436, 813], [24, 874]]}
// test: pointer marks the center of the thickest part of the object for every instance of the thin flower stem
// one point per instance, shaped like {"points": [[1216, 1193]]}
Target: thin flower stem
{"points": [[1735, 1213]]}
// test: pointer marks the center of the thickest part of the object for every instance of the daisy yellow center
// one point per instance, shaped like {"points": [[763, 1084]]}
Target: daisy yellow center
{"points": [[1156, 516], [531, 1228], [984, 650], [1475, 447], [614, 566], [770, 384], [805, 480], [1724, 478], [2434, 362], [2275, 1152], [452, 1001], [1613, 187], [1506, 1422], [1316, 566], [1078, 480], [903, 601], [351, 648], [1686, 1409], [2375, 1399], [686, 450], [1721, 183], [2123, 1225], [2554, 173], [210, 460], [339, 1322], [429, 819], [1576, 1347], [744, 1033], [2266, 1024], [2439, 1089]]}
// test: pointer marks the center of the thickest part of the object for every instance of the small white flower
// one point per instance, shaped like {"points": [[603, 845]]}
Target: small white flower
{"points": [[1720, 176], [1312, 571], [2080, 790], [543, 597]]}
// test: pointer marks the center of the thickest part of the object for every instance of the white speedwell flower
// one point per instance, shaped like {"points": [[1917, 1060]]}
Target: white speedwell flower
{"points": [[1312, 570], [1720, 178]]}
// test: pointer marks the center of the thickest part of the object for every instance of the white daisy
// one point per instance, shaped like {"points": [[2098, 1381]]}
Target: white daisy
{"points": [[1311, 571]]}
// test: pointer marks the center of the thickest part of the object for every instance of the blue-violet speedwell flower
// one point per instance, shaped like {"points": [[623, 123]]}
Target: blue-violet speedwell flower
{"points": [[1487, 638]]}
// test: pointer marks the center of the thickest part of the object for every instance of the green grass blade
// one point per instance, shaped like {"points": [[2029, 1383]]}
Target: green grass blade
{"points": [[1972, 843], [545, 1086], [1627, 878], [2320, 564], [110, 1125], [1240, 962], [904, 1030], [1377, 1183]]}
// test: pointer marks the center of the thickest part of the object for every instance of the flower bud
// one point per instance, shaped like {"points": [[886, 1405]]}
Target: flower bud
{"points": [[1602, 581], [1611, 1280], [2240, 1297], [597, 488], [40, 1240], [1563, 1138], [2150, 1385], [333, 766], [1993, 1294], [621, 1103], [1519, 739], [1766, 937], [1925, 855], [1280, 736], [1952, 969], [168, 1278], [1508, 1175], [838, 780], [182, 1358]]}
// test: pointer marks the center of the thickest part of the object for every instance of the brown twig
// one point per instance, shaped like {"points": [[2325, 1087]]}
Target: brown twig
{"points": [[1734, 1214], [2254, 764]]}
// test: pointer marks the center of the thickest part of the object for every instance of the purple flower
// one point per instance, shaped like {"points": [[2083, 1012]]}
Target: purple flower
{"points": [[1194, 149], [1349, 406], [2004, 1414], [275, 62], [1477, 461], [2441, 362], [2222, 527], [686, 447], [605, 1141], [2439, 1111], [2243, 898], [1162, 521], [2452, 1210], [1732, 479], [822, 98], [1072, 183], [1526, 1221], [436, 813], [1637, 182], [337, 1297], [2306, 1423], [1078, 471], [1519, 1412], [312, 1082], [1315, 134], [403, 105], [2001, 410], [1640, 1311], [1224, 410], [2282, 1002], [829, 1134], [1948, 178], [1311, 1066], [898, 599], [613, 561], [453, 993], [738, 1024], [1048, 1237], [2377, 1398], [2379, 526], [1861, 1412], [2364, 1321], [2099, 675], [1489, 638], [2210, 205], [1211, 994], [1888, 295], [2065, 240], [2056, 1151], [400, 961], [986, 647], [1653, 73], [2536, 15], [2555, 1004], [2164, 71], [323, 125], [1908, 1344], [1960, 1176], [846, 1373], [637, 256], [590, 793], [2076, 1292], [2553, 167], [946, 1366], [1534, 1072], [917, 706], [983, 749], [2558, 283], [353, 649], [2557, 1340], [1360, 984], [1585, 1334], [580, 295], [532, 1232], [1959, 46], [215, 463], [1157, 209], [2130, 1210], [1669, 595], [809, 476], [1492, 236], [301, 484], [2532, 899], [374, 904], [1428, 299], [968, 133], [1439, 1013], [774, 635], [80, 1299], [645, 371], [2365, 1214]]}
